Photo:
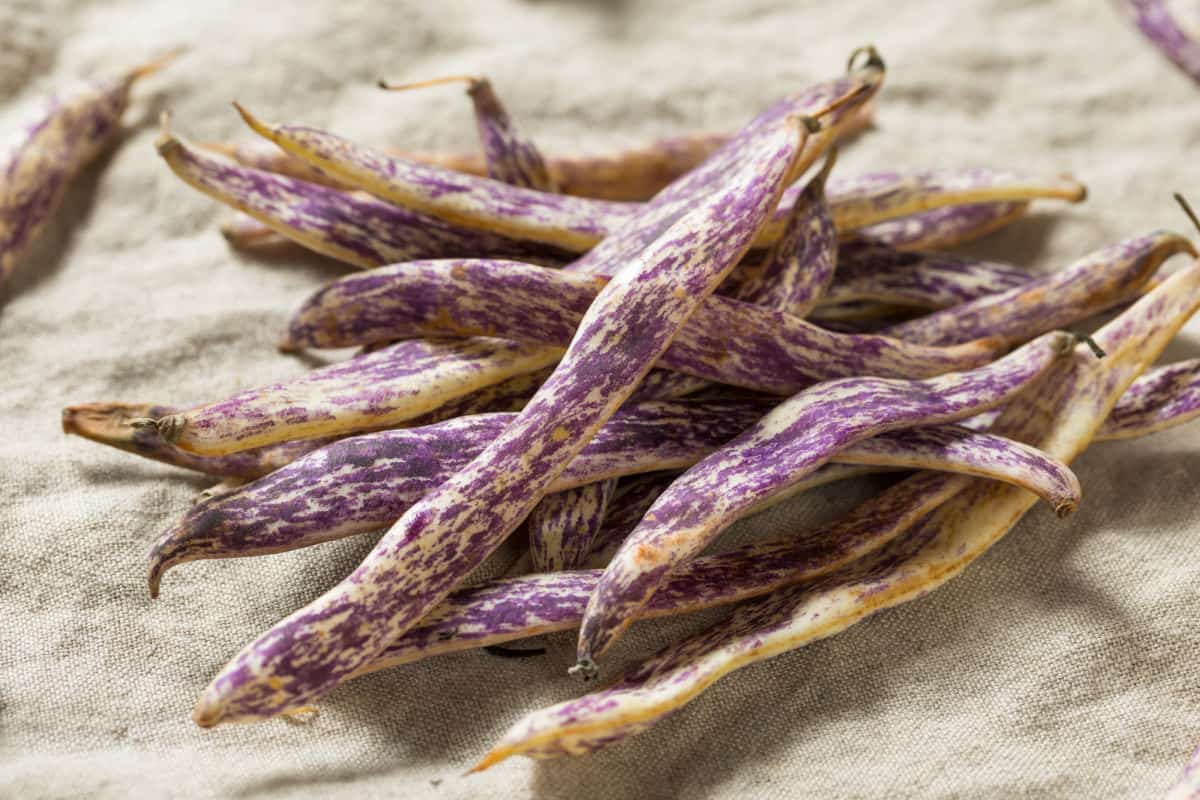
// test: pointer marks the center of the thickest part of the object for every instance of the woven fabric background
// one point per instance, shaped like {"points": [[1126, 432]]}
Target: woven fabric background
{"points": [[1062, 664]]}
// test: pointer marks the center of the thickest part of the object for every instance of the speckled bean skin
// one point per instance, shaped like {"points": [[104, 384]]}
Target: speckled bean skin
{"points": [[395, 384], [351, 227], [789, 443], [1060, 416], [946, 227], [510, 156], [869, 270], [1162, 398], [109, 423], [572, 223], [797, 270], [634, 174], [1104, 278], [859, 201], [501, 611], [1172, 35], [451, 530], [39, 162], [367, 482], [726, 340], [564, 525], [631, 500]]}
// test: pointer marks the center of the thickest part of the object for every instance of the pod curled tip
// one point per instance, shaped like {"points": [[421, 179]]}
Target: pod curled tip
{"points": [[1065, 508], [872, 60]]}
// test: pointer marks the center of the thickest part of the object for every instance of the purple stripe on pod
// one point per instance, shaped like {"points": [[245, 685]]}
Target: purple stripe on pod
{"points": [[563, 526], [786, 445], [1109, 276], [1060, 416], [946, 227], [569, 222], [1162, 398], [452, 529], [725, 340], [349, 226], [1177, 37], [871, 270], [43, 158], [505, 610], [398, 383]]}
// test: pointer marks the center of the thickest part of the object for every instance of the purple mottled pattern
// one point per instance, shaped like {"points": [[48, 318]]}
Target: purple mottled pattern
{"points": [[72, 131], [1100, 280], [450, 531], [348, 226], [1162, 398], [511, 157], [725, 340], [946, 227], [563, 526], [366, 482], [869, 270], [1157, 23], [789, 443]]}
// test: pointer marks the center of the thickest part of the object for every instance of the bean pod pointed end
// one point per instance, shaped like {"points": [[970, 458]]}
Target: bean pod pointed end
{"points": [[257, 125]]}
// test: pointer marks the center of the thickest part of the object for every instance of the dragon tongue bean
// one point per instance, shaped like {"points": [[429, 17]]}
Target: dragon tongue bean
{"points": [[442, 537]]}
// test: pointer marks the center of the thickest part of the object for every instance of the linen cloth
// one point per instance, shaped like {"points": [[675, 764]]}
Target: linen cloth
{"points": [[1062, 664]]}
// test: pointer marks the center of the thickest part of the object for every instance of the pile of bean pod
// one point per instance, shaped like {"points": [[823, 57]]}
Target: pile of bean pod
{"points": [[622, 356]]}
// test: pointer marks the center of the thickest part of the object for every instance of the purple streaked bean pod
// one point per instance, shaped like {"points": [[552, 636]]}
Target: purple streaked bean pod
{"points": [[1176, 35], [572, 223], [452, 529], [859, 201], [1100, 280], [118, 425], [504, 610], [725, 340], [1162, 398], [351, 227], [509, 156], [871, 270], [787, 444], [563, 527], [1060, 416], [634, 174], [38, 165], [364, 483], [797, 270], [946, 227], [395, 384], [631, 500], [111, 424]]}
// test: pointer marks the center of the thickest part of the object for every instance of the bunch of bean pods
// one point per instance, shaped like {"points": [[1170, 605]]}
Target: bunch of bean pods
{"points": [[622, 356]]}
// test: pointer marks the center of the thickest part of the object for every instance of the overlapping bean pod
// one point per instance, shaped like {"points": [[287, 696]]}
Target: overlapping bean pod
{"points": [[442, 537], [793, 440], [38, 166], [1178, 38], [1061, 416], [946, 227]]}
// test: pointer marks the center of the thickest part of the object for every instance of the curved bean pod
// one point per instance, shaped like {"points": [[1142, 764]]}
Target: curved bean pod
{"points": [[1061, 417], [572, 223], [871, 270], [725, 340], [1100, 280], [395, 384], [509, 156], [563, 527], [637, 173], [1162, 398], [71, 133], [349, 226], [793, 440], [943, 228], [449, 531], [111, 424], [1175, 38]]}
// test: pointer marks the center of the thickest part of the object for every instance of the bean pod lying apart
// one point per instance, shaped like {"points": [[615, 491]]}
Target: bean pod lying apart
{"points": [[622, 357], [70, 134]]}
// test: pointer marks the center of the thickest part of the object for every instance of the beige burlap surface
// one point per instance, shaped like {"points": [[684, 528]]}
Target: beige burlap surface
{"points": [[1062, 664]]}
